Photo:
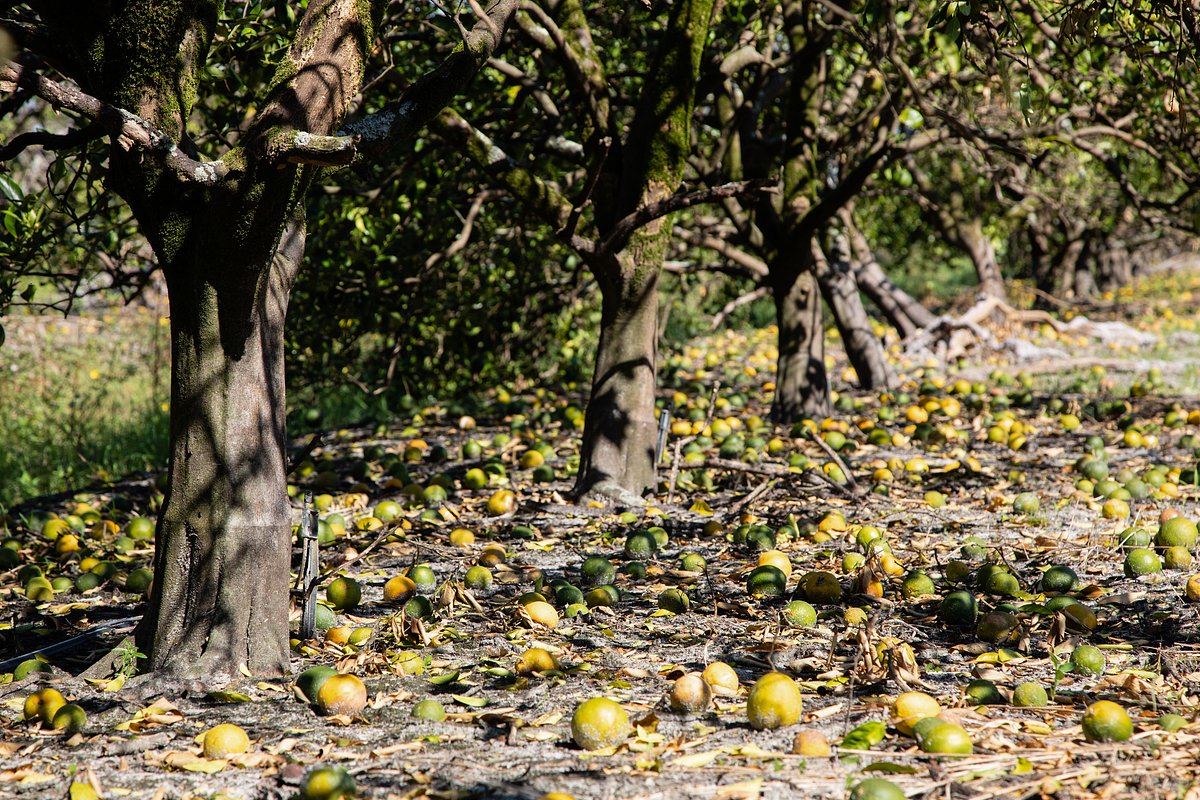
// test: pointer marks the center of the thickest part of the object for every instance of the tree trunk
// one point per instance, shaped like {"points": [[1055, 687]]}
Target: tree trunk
{"points": [[219, 602], [983, 255], [1114, 267], [1069, 275], [617, 460], [801, 385], [620, 431], [900, 308], [1040, 266], [863, 347]]}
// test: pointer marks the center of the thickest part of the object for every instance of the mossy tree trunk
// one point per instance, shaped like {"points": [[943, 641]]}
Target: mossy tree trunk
{"points": [[229, 236], [230, 250], [230, 255], [801, 381], [617, 455], [619, 436]]}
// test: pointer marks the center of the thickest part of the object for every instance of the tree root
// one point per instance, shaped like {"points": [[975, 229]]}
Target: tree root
{"points": [[612, 494]]}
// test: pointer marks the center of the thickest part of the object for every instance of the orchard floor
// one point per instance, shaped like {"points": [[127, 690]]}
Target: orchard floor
{"points": [[508, 736]]}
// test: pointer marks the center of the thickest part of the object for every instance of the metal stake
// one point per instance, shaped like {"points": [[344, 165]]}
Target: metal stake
{"points": [[309, 568], [664, 426]]}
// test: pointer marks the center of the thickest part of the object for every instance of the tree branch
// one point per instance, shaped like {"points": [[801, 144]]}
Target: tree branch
{"points": [[422, 102], [290, 146], [738, 302], [751, 264], [739, 59], [577, 51], [538, 196], [127, 130], [464, 235], [544, 101], [619, 235], [50, 141]]}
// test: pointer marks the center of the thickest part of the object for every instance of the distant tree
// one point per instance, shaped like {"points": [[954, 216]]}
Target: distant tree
{"points": [[616, 169], [819, 94]]}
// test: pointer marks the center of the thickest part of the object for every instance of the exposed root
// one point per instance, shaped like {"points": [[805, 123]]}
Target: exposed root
{"points": [[611, 494]]}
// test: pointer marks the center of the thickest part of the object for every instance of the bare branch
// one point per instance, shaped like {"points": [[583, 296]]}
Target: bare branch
{"points": [[618, 237], [584, 71], [751, 264], [287, 145], [740, 59], [595, 169], [429, 95], [464, 235], [544, 101], [738, 302], [538, 196], [126, 129], [50, 141]]}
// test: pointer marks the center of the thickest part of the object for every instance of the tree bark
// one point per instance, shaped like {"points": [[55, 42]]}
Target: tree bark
{"points": [[801, 383], [1114, 267], [840, 291], [229, 236], [224, 534], [619, 437], [620, 431], [983, 256], [901, 309]]}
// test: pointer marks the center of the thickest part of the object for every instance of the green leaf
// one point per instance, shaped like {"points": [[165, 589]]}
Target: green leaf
{"points": [[11, 189], [865, 736], [229, 697], [891, 768], [445, 679], [473, 702]]}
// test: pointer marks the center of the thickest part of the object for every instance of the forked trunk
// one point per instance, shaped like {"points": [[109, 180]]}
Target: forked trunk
{"points": [[863, 347], [221, 570], [901, 309], [620, 431], [801, 384]]}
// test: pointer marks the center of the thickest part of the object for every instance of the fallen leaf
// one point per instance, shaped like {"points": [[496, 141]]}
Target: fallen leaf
{"points": [[697, 760], [746, 790]]}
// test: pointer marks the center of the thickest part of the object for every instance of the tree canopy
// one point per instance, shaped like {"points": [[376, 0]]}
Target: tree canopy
{"points": [[385, 198]]}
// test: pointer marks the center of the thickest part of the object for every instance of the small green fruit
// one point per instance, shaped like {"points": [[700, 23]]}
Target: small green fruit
{"points": [[343, 593], [1030, 695], [430, 710]]}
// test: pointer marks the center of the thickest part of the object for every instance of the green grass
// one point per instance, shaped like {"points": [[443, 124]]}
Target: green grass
{"points": [[82, 400]]}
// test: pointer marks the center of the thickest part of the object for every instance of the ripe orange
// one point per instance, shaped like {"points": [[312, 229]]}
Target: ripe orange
{"points": [[341, 694], [911, 707], [774, 702], [224, 740]]}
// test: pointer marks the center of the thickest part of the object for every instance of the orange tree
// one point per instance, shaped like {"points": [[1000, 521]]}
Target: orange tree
{"points": [[613, 177], [210, 125]]}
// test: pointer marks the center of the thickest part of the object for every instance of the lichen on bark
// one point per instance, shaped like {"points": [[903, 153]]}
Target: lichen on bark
{"points": [[618, 454]]}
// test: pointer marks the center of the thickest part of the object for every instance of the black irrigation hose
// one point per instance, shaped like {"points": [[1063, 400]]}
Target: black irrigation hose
{"points": [[70, 644]]}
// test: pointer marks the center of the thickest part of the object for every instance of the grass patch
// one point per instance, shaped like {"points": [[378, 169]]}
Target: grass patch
{"points": [[82, 399]]}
